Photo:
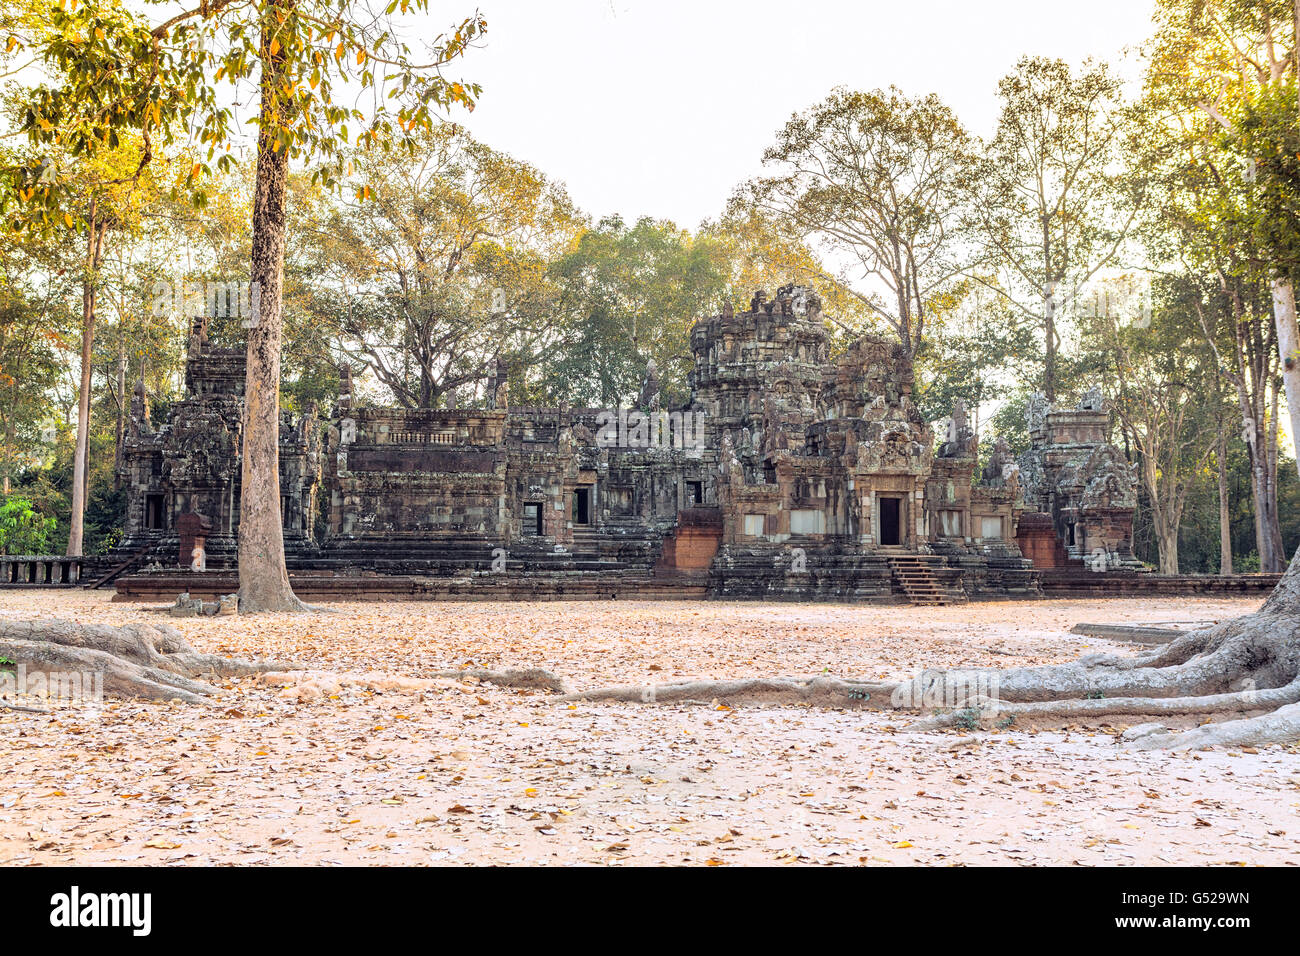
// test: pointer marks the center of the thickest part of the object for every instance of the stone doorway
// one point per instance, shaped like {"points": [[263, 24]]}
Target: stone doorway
{"points": [[582, 506], [532, 518], [155, 515], [891, 521]]}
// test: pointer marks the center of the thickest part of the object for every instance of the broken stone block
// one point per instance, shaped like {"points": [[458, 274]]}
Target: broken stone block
{"points": [[186, 606]]}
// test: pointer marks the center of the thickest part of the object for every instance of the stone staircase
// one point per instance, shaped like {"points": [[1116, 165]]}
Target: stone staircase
{"points": [[127, 564], [915, 576]]}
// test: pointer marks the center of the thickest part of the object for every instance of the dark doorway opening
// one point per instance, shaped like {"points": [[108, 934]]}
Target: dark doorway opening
{"points": [[694, 493], [155, 518], [891, 527], [582, 506], [532, 518]]}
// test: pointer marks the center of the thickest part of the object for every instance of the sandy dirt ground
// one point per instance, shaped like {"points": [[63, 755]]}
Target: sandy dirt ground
{"points": [[363, 770]]}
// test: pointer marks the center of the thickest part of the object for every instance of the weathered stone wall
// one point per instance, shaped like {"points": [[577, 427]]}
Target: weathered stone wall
{"points": [[1073, 474], [790, 472], [190, 465]]}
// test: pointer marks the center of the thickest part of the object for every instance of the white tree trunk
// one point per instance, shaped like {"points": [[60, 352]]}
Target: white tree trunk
{"points": [[76, 529], [1288, 343], [81, 456], [1225, 513]]}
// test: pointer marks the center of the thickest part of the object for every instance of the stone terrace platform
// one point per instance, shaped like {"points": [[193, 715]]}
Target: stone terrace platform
{"points": [[638, 584]]}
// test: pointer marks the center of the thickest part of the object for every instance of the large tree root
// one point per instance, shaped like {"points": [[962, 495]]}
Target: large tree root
{"points": [[985, 709], [1282, 726], [1240, 667], [153, 661], [822, 691], [533, 678]]}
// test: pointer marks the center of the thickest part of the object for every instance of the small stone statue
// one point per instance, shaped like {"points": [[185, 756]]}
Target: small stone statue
{"points": [[649, 398], [813, 306], [139, 422], [1036, 413], [960, 439], [345, 387], [1093, 400], [499, 396], [999, 460]]}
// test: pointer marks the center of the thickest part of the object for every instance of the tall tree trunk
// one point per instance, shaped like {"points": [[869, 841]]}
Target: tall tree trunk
{"points": [[9, 452], [1266, 517], [1288, 342], [121, 409], [263, 577], [1167, 542], [1225, 515], [1276, 546], [1249, 373], [81, 456], [1049, 341]]}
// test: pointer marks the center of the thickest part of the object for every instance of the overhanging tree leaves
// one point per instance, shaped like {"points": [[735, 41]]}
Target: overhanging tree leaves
{"points": [[875, 180], [1049, 207], [116, 72]]}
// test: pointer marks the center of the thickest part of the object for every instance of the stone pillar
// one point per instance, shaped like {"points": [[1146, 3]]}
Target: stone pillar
{"points": [[194, 530]]}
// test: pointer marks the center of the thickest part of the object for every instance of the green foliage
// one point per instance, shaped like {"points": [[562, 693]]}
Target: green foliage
{"points": [[444, 269], [878, 179], [980, 353], [23, 530], [1052, 202], [629, 294], [1268, 146], [115, 75]]}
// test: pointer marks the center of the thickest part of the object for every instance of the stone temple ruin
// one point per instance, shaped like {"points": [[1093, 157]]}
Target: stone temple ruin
{"points": [[790, 473]]}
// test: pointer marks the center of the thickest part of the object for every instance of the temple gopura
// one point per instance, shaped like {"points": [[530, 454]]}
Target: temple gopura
{"points": [[790, 473]]}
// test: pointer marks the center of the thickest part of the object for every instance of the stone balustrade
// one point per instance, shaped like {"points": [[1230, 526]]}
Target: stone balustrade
{"points": [[40, 570]]}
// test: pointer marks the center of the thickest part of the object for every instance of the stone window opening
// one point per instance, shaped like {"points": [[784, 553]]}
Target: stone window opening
{"points": [[694, 493]]}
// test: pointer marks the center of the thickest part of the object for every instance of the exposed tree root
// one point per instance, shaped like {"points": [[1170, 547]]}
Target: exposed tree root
{"points": [[988, 710], [529, 677], [1244, 666], [1282, 726], [822, 691], [152, 661]]}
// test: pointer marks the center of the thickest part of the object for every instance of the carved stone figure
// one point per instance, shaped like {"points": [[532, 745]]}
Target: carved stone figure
{"points": [[1036, 413], [139, 423], [499, 394], [648, 400], [960, 439], [1000, 459], [1092, 401]]}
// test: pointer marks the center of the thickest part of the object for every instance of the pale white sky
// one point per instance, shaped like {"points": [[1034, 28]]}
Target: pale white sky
{"points": [[661, 107]]}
